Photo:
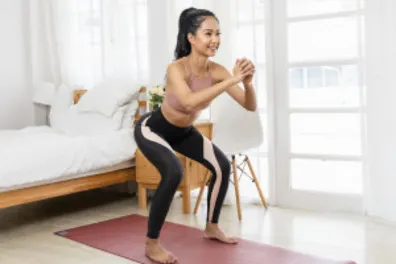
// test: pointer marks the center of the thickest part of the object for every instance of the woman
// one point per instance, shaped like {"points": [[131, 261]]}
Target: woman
{"points": [[193, 81]]}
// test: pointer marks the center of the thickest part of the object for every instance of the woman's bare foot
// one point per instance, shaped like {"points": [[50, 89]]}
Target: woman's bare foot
{"points": [[157, 253], [212, 231]]}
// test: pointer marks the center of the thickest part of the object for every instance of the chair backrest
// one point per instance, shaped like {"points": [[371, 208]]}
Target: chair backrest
{"points": [[235, 129]]}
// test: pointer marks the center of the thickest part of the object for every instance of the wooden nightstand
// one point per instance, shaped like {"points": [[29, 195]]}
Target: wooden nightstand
{"points": [[148, 177]]}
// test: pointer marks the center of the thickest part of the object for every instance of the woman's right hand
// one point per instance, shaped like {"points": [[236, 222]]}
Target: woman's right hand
{"points": [[239, 72]]}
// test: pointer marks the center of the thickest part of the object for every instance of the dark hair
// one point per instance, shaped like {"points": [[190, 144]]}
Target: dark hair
{"points": [[189, 21]]}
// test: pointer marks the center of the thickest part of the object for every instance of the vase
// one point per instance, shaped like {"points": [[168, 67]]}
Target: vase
{"points": [[154, 106]]}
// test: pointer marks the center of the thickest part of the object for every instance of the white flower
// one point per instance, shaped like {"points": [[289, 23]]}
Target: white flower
{"points": [[161, 92], [157, 90], [154, 91]]}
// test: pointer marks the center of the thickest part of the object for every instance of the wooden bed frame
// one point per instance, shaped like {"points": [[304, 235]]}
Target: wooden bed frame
{"points": [[45, 191]]}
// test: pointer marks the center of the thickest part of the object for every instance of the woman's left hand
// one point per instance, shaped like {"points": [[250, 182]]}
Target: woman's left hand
{"points": [[245, 63]]}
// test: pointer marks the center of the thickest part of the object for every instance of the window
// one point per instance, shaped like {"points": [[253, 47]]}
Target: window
{"points": [[100, 39], [89, 17], [250, 25], [318, 103]]}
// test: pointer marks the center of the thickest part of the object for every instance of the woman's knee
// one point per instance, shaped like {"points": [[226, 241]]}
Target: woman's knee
{"points": [[174, 173], [224, 165], [225, 168]]}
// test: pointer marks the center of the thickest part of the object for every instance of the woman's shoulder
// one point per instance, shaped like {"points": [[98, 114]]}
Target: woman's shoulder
{"points": [[218, 71], [176, 67]]}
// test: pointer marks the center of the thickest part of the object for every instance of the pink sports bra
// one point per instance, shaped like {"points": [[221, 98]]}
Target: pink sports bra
{"points": [[196, 84]]}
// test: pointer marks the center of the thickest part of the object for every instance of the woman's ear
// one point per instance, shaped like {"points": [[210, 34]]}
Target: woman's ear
{"points": [[190, 38]]}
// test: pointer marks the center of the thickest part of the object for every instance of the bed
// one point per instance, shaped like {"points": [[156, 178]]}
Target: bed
{"points": [[86, 162]]}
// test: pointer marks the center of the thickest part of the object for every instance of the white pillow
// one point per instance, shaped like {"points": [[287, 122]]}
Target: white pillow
{"points": [[61, 102], [90, 123], [44, 93], [65, 118], [107, 97], [129, 115]]}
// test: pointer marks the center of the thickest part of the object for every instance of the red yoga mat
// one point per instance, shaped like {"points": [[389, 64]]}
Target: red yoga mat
{"points": [[125, 237]]}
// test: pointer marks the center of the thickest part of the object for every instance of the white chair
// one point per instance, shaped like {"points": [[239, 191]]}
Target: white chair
{"points": [[235, 132]]}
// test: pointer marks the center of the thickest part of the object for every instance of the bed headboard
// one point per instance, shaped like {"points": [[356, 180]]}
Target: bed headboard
{"points": [[142, 101], [77, 95]]}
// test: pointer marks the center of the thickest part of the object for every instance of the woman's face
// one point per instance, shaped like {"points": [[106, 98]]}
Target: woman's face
{"points": [[207, 37]]}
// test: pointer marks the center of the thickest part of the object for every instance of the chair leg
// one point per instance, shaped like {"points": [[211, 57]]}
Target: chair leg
{"points": [[236, 184], [256, 182], [142, 197], [186, 199], [204, 182]]}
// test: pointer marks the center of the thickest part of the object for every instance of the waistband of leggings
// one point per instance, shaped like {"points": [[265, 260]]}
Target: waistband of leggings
{"points": [[157, 121]]}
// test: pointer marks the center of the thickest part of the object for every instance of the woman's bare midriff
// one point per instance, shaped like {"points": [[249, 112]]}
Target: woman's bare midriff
{"points": [[177, 118]]}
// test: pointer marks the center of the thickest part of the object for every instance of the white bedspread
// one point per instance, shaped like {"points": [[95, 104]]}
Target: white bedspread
{"points": [[36, 154]]}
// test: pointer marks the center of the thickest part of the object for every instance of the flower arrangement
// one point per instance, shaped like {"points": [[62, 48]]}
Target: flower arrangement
{"points": [[156, 96]]}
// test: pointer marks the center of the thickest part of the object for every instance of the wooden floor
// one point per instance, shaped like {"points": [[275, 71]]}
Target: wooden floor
{"points": [[26, 232]]}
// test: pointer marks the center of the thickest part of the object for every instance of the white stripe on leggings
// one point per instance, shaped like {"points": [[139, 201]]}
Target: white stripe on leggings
{"points": [[150, 135], [210, 156]]}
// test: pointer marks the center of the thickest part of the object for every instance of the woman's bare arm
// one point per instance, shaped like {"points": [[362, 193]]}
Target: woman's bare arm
{"points": [[177, 85], [245, 97]]}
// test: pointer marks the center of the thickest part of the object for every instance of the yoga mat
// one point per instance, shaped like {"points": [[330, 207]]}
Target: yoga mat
{"points": [[125, 237]]}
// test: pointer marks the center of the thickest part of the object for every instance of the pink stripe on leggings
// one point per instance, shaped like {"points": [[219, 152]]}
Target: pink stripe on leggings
{"points": [[210, 156]]}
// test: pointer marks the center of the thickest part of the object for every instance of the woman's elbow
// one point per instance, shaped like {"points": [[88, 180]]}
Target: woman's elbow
{"points": [[188, 105], [251, 107]]}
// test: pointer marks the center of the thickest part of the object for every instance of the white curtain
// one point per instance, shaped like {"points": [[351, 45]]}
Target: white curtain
{"points": [[381, 108], [81, 42]]}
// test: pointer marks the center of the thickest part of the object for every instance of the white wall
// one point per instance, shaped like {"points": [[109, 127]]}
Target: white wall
{"points": [[16, 109]]}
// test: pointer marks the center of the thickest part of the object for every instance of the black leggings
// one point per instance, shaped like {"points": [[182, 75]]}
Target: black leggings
{"points": [[158, 140]]}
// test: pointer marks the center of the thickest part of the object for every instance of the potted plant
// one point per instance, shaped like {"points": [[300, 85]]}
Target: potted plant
{"points": [[156, 96]]}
